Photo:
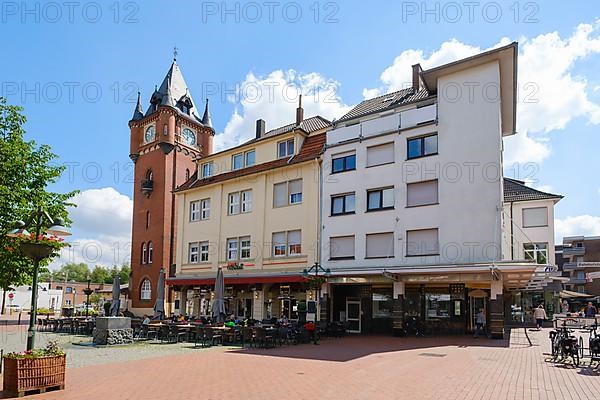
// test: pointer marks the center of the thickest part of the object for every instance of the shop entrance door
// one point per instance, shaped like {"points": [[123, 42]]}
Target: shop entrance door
{"points": [[477, 301], [353, 315]]}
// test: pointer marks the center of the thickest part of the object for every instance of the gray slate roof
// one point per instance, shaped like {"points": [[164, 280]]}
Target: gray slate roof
{"points": [[515, 190], [308, 125], [385, 102]]}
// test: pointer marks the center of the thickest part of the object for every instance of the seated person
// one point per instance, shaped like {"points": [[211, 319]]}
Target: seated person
{"points": [[146, 320]]}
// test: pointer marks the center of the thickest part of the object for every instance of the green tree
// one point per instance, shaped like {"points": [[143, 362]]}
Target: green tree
{"points": [[79, 272], [124, 273], [100, 274], [26, 169]]}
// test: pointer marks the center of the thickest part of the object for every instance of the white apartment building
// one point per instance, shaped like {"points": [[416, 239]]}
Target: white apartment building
{"points": [[413, 201]]}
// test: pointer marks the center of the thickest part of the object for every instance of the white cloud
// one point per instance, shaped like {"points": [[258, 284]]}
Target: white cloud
{"points": [[274, 98], [586, 225], [102, 228], [552, 99]]}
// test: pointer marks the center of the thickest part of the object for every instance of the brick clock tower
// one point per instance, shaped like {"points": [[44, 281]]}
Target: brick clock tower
{"points": [[166, 141]]}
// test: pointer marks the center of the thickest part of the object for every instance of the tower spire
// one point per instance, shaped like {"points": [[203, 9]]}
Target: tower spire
{"points": [[138, 113], [206, 120], [175, 52]]}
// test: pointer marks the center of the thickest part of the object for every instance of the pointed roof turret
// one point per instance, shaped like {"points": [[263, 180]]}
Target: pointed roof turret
{"points": [[206, 120], [173, 88], [138, 113]]}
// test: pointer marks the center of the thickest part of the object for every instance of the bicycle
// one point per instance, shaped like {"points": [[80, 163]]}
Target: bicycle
{"points": [[565, 345]]}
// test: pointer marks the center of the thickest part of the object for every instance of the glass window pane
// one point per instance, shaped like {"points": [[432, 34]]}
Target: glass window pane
{"points": [[351, 162], [374, 200], [388, 198], [250, 158], [280, 194], [430, 144], [282, 148], [337, 205], [238, 161], [338, 164], [350, 203], [414, 148], [290, 147]]}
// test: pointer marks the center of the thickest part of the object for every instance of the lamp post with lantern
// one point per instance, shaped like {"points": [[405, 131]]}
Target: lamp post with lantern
{"points": [[317, 274]]}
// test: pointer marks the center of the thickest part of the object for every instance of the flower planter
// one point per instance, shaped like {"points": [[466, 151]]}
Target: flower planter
{"points": [[23, 375], [36, 251]]}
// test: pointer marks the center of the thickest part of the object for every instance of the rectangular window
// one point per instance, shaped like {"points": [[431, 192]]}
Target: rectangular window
{"points": [[422, 242], [422, 193], [380, 245], [69, 289], [343, 204], [295, 190], [533, 217], [536, 252], [380, 199], [279, 244], [381, 154], [294, 239], [285, 148], [203, 251], [343, 163], [207, 169], [246, 201], [422, 146], [232, 249], [194, 210], [234, 203], [205, 209], [250, 157], [245, 247], [341, 247], [193, 252], [287, 193], [237, 161]]}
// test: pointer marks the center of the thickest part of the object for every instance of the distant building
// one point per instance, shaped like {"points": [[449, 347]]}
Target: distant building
{"points": [[580, 256], [21, 298]]}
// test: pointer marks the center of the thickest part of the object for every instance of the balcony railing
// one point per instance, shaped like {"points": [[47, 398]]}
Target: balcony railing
{"points": [[390, 123], [571, 266], [577, 281], [574, 251]]}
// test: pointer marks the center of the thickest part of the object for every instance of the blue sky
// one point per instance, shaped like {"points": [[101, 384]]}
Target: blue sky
{"points": [[355, 47]]}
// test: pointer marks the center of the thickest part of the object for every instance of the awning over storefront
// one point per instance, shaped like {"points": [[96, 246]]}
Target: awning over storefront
{"points": [[236, 280], [567, 294]]}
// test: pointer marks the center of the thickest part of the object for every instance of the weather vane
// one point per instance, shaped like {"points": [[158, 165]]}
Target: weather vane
{"points": [[175, 52]]}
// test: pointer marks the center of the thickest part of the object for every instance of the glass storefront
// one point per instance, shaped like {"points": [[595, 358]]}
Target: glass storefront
{"points": [[523, 304]]}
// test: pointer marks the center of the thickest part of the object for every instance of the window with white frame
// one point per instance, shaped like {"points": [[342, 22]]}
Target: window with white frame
{"points": [[535, 217], [234, 203], [237, 161], [285, 148], [144, 253], [422, 193], [287, 193], [380, 245], [195, 210], [246, 201], [245, 245], [146, 290], [250, 158], [380, 154], [287, 243], [380, 199], [193, 250], [536, 252], [203, 251], [205, 209], [150, 252], [207, 169], [422, 242], [232, 249], [341, 247]]}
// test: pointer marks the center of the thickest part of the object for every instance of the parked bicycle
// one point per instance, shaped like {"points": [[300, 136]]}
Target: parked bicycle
{"points": [[565, 345]]}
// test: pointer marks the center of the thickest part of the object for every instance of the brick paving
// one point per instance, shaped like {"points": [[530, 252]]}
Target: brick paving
{"points": [[350, 368]]}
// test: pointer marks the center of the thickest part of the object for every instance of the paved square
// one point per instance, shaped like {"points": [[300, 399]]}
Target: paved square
{"points": [[350, 368]]}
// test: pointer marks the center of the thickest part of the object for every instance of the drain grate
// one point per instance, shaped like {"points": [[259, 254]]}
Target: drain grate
{"points": [[432, 355]]}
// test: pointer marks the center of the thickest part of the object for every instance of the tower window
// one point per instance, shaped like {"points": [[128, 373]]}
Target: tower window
{"points": [[147, 219], [144, 253], [150, 251], [146, 290], [149, 175]]}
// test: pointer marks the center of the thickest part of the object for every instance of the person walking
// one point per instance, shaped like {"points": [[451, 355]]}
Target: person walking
{"points": [[479, 322], [539, 314], [590, 310]]}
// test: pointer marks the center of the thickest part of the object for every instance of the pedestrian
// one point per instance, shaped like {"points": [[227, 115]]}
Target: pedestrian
{"points": [[590, 310], [146, 320], [479, 322], [539, 314]]}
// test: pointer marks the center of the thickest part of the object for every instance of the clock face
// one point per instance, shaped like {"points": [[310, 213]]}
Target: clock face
{"points": [[189, 136], [150, 134]]}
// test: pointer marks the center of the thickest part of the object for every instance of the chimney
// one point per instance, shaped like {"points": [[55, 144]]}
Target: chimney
{"points": [[299, 112], [416, 77], [260, 128]]}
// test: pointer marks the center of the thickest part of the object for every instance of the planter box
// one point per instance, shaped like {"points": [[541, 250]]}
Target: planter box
{"points": [[33, 374]]}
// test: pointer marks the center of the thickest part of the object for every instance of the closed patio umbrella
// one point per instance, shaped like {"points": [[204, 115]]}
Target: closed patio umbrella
{"points": [[159, 306], [115, 305], [218, 305]]}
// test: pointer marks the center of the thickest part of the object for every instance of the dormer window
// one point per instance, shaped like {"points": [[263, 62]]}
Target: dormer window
{"points": [[285, 148], [207, 169]]}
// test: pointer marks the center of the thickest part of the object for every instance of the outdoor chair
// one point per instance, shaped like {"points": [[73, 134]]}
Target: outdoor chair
{"points": [[175, 334], [163, 334], [264, 338], [214, 336], [200, 337], [247, 337]]}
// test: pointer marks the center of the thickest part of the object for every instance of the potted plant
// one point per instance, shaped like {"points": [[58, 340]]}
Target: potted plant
{"points": [[35, 370]]}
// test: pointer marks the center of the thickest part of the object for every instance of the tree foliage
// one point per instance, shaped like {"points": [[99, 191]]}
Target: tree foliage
{"points": [[26, 169], [81, 272]]}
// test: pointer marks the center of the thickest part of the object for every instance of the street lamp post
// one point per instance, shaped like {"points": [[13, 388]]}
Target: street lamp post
{"points": [[88, 291], [315, 272], [37, 252]]}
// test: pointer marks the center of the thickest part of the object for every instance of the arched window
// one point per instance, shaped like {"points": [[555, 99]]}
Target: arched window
{"points": [[149, 252], [149, 175], [165, 129], [146, 290], [144, 253], [147, 219], [187, 174]]}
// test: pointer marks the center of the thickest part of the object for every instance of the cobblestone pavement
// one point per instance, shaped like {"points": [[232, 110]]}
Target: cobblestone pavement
{"points": [[350, 368]]}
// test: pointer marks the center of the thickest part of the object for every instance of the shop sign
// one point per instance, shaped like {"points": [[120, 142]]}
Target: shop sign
{"points": [[234, 266]]}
